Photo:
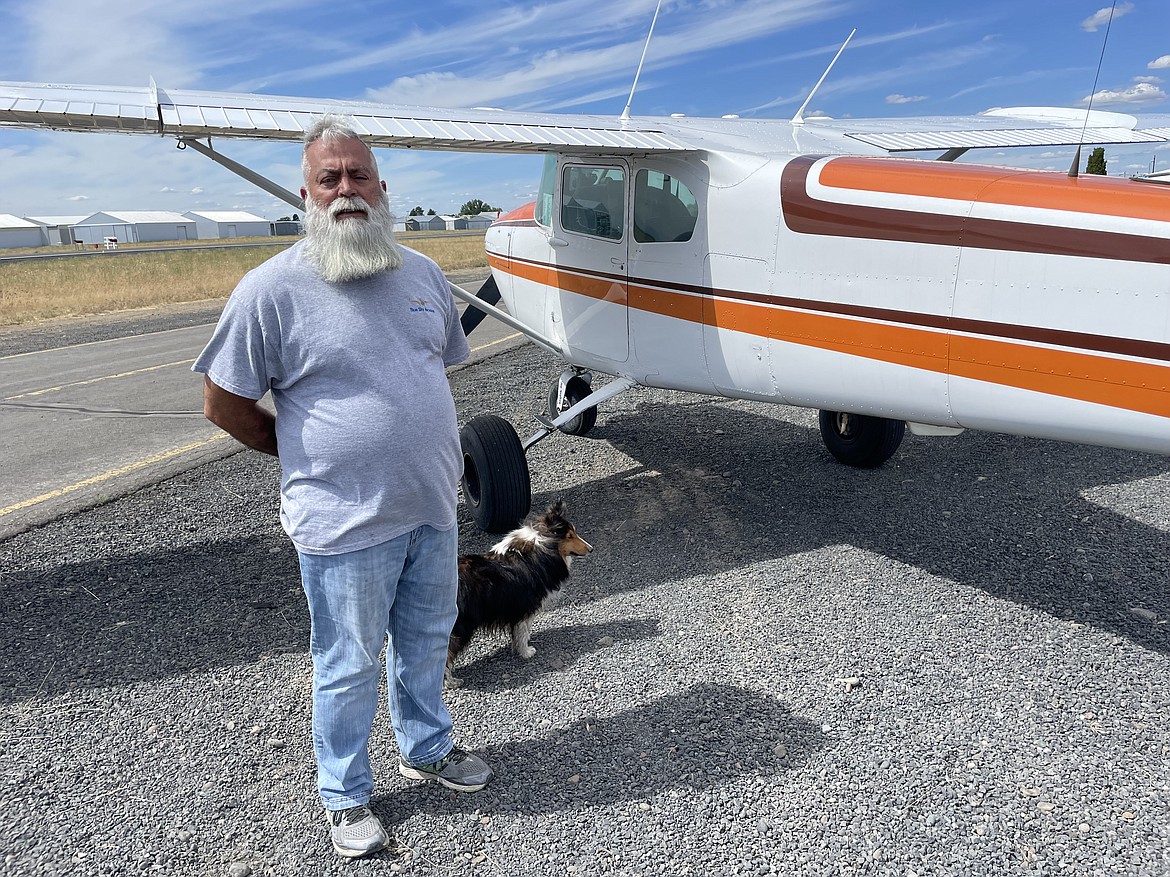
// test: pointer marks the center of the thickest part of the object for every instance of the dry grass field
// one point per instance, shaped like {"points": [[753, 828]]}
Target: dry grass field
{"points": [[41, 289]]}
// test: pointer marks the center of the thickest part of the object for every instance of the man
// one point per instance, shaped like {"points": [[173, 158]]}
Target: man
{"points": [[351, 333]]}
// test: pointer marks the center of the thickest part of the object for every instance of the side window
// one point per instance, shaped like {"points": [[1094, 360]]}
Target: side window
{"points": [[664, 208], [544, 196], [593, 201]]}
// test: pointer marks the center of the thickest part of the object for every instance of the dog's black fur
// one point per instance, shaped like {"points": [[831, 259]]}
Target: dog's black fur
{"points": [[503, 589]]}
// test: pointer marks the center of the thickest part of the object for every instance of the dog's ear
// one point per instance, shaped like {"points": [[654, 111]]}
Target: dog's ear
{"points": [[553, 522]]}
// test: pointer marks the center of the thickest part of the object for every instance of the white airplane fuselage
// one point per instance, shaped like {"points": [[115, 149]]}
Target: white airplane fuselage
{"points": [[942, 294]]}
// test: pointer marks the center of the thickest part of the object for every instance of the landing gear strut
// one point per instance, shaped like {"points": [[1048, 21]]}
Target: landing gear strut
{"points": [[496, 483], [575, 389]]}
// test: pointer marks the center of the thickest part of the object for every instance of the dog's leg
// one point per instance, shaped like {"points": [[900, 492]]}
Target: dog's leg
{"points": [[520, 634], [449, 678]]}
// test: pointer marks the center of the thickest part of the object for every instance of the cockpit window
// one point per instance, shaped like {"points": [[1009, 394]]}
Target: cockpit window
{"points": [[664, 208], [544, 196], [593, 201]]}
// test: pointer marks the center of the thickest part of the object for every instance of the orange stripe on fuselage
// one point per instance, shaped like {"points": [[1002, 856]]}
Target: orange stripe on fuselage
{"points": [[1134, 386], [598, 286], [1090, 193], [1089, 377], [526, 211]]}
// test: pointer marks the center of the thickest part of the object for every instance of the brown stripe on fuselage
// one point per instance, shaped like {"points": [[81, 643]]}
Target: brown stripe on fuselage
{"points": [[806, 215]]}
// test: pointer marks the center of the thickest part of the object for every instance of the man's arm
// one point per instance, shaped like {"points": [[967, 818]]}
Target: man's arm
{"points": [[240, 417]]}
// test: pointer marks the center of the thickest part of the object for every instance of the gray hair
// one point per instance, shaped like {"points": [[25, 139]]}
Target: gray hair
{"points": [[331, 126]]}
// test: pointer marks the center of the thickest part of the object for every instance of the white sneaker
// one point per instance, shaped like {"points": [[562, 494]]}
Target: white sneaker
{"points": [[356, 832]]}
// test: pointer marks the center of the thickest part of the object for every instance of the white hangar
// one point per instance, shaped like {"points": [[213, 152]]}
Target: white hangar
{"points": [[211, 224], [17, 232], [135, 226]]}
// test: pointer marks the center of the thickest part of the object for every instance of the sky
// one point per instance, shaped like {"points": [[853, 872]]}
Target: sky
{"points": [[756, 58]]}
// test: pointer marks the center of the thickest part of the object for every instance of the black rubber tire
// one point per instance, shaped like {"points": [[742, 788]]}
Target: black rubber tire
{"points": [[575, 390], [496, 484], [860, 440]]}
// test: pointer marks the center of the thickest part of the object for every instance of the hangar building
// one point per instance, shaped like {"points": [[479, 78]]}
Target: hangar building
{"points": [[211, 224]]}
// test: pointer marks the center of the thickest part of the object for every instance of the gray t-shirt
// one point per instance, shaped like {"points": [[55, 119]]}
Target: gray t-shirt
{"points": [[365, 422]]}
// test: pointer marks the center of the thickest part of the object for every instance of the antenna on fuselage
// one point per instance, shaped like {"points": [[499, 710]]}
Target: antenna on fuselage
{"points": [[798, 119], [626, 112], [1075, 170]]}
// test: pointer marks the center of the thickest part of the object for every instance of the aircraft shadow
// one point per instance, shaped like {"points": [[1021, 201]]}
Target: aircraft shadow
{"points": [[999, 513], [632, 755]]}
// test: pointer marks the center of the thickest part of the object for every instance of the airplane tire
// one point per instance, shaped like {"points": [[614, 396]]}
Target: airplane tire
{"points": [[860, 440], [575, 390], [496, 485]]}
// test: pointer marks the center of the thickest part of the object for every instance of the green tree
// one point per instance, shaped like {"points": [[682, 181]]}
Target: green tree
{"points": [[431, 212], [475, 206], [416, 211], [1096, 162]]}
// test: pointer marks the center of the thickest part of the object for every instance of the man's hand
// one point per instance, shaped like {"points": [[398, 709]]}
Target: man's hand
{"points": [[240, 417]]}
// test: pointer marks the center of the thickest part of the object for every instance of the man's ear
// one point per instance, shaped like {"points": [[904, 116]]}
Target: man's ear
{"points": [[304, 193], [384, 189]]}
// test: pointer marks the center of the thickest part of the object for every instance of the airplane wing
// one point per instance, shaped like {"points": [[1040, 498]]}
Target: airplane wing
{"points": [[1005, 128], [194, 114], [198, 114]]}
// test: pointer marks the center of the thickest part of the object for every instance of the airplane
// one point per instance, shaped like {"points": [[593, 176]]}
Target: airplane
{"points": [[802, 262]]}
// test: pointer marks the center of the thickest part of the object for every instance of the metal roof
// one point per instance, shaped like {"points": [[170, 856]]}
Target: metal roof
{"points": [[136, 216], [7, 221], [225, 216]]}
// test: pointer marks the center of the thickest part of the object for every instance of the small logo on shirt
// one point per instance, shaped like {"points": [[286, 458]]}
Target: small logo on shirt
{"points": [[421, 306]]}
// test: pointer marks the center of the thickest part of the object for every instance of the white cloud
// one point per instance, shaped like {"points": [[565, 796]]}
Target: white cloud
{"points": [[78, 198], [904, 99], [606, 60], [1100, 18], [1138, 93], [1162, 63]]}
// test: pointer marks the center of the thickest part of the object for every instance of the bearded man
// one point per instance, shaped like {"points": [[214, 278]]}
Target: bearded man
{"points": [[351, 334]]}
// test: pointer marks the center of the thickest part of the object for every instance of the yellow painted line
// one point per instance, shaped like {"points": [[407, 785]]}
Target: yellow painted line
{"points": [[139, 371], [497, 341], [106, 476]]}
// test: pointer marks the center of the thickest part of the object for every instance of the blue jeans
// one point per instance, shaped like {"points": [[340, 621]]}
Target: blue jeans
{"points": [[402, 592]]}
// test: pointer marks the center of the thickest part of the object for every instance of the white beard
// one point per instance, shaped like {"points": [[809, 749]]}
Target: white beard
{"points": [[350, 249]]}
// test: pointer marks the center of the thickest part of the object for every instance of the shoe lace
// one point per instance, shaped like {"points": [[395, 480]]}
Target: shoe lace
{"points": [[352, 816], [455, 756]]}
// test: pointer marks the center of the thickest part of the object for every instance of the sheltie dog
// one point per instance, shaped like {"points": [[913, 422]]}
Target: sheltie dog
{"points": [[503, 589]]}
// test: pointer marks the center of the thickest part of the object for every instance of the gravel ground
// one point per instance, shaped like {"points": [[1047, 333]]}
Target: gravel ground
{"points": [[771, 664]]}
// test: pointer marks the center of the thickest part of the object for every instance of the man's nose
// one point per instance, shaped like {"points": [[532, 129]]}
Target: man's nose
{"points": [[346, 186]]}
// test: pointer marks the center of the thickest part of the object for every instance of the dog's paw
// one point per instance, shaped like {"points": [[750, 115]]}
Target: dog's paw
{"points": [[526, 652], [450, 681]]}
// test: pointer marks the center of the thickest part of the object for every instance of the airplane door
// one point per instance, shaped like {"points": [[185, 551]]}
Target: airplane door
{"points": [[587, 306], [669, 238]]}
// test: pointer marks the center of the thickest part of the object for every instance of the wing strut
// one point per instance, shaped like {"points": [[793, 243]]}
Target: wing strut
{"points": [[247, 173], [507, 319]]}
